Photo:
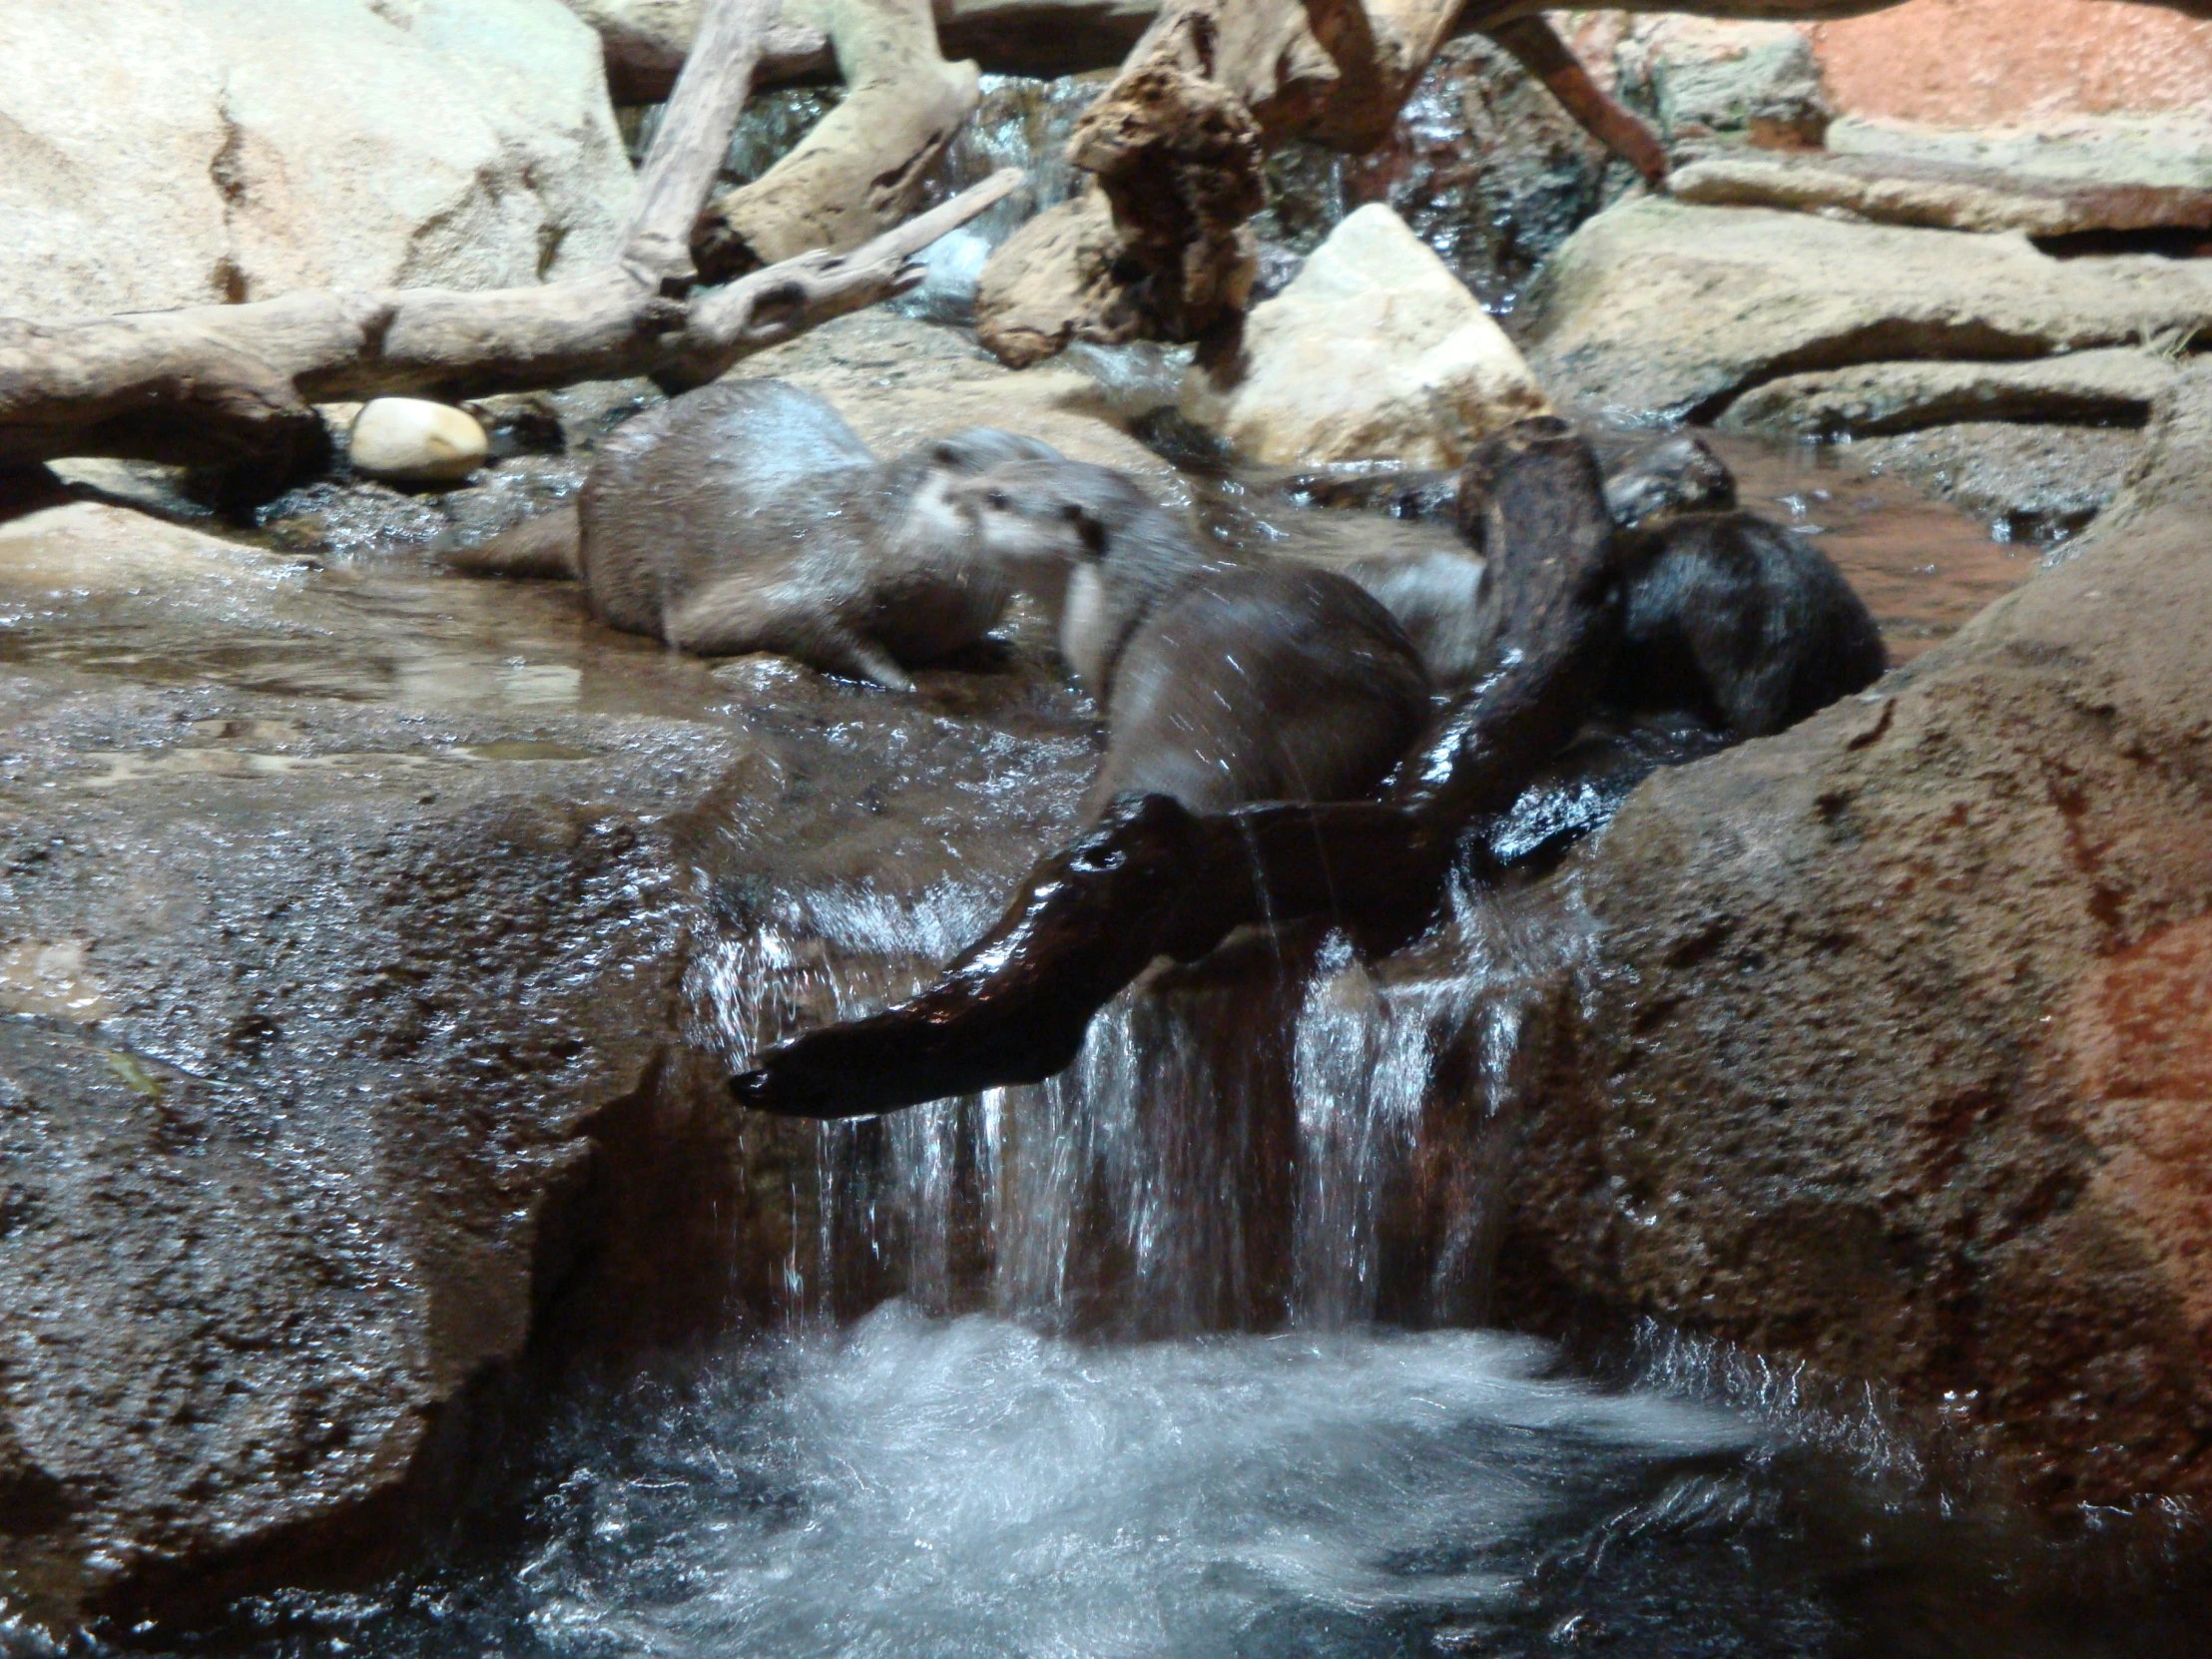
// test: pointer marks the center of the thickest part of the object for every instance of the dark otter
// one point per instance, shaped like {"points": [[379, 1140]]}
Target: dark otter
{"points": [[747, 516], [1222, 684], [1678, 474], [1736, 620]]}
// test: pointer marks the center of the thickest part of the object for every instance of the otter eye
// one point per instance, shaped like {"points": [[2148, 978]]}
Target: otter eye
{"points": [[996, 501]]}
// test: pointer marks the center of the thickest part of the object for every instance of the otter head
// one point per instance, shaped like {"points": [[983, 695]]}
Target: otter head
{"points": [[932, 473], [1681, 476], [1088, 545]]}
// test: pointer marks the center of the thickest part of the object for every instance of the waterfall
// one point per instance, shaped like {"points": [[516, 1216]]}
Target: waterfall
{"points": [[1288, 1135]]}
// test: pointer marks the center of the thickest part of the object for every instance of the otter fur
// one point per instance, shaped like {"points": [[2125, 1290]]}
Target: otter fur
{"points": [[1731, 618], [747, 516], [1223, 684]]}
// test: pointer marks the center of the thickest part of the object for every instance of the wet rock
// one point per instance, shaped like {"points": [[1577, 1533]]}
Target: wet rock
{"points": [[358, 1065], [348, 519], [2086, 388], [1939, 195], [1490, 169], [1656, 307], [453, 143], [2038, 483], [409, 440], [1483, 164], [1374, 352], [1895, 1057]]}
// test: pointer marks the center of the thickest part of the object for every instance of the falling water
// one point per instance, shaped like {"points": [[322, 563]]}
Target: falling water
{"points": [[1263, 1143]]}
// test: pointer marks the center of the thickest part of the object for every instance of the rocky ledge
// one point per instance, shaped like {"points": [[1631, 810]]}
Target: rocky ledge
{"points": [[1896, 1053]]}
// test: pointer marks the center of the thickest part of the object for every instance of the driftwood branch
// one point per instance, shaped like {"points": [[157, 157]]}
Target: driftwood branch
{"points": [[1178, 141], [695, 134], [1154, 879], [231, 385], [866, 163]]}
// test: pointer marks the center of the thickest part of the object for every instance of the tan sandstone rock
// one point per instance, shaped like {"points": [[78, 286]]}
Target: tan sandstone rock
{"points": [[1906, 191], [157, 153], [408, 440], [1374, 352], [1656, 306]]}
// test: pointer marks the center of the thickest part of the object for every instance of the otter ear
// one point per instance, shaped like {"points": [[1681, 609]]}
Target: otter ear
{"points": [[1088, 530], [945, 454]]}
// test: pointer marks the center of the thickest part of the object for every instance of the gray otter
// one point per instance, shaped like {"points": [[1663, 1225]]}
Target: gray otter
{"points": [[747, 516], [1222, 684], [1729, 617]]}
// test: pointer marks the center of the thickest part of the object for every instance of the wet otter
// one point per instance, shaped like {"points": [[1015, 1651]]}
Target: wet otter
{"points": [[747, 516], [1222, 684], [1731, 618]]}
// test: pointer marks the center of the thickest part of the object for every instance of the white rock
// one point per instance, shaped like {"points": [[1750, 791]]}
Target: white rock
{"points": [[1374, 352], [409, 440], [157, 153]]}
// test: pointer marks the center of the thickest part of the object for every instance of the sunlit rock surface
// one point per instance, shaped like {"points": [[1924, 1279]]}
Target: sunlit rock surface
{"points": [[1374, 352], [455, 143], [1897, 1054]]}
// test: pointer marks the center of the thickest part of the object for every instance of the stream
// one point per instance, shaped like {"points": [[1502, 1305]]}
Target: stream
{"points": [[1180, 1354]]}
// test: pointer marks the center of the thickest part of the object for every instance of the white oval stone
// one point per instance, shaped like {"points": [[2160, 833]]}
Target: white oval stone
{"points": [[413, 441]]}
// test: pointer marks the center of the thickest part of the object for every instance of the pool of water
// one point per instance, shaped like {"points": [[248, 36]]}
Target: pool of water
{"points": [[969, 1487]]}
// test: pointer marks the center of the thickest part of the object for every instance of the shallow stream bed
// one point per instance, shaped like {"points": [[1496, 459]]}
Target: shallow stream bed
{"points": [[1241, 1444]]}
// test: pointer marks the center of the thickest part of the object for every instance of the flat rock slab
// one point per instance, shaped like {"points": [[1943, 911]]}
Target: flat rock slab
{"points": [[1896, 1053], [352, 1039], [2084, 389], [1900, 190], [1659, 308], [440, 143]]}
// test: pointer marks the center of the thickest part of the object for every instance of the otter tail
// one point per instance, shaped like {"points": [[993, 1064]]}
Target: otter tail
{"points": [[548, 545]]}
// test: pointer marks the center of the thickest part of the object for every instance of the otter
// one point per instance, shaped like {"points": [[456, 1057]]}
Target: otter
{"points": [[1731, 618], [1679, 474], [749, 516], [1223, 684]]}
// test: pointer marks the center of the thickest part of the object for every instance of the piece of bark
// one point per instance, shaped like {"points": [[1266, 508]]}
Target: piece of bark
{"points": [[230, 384], [1056, 281], [866, 163], [1154, 879]]}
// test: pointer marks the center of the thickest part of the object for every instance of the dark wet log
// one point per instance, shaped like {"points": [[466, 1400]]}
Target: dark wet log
{"points": [[1154, 879]]}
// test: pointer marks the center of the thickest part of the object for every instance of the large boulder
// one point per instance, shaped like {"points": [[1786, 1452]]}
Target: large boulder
{"points": [[1376, 351], [157, 153], [361, 1056], [1896, 1053]]}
